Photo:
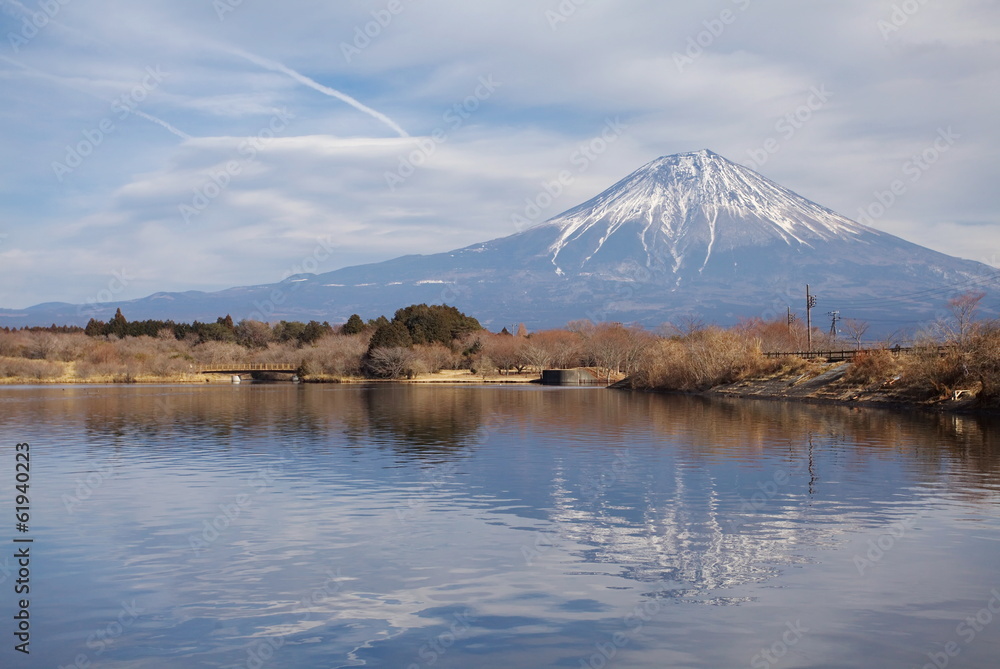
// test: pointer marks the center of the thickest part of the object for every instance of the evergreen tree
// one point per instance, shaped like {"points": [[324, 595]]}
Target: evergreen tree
{"points": [[95, 328], [353, 326], [314, 331], [118, 325], [390, 335]]}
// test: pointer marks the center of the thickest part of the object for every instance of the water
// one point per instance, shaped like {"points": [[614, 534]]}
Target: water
{"points": [[402, 526]]}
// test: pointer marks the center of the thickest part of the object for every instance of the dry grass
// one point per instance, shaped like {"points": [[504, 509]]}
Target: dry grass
{"points": [[701, 360], [875, 366]]}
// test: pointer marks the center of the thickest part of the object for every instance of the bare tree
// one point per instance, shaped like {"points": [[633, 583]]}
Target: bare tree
{"points": [[506, 352], [391, 362], [615, 348], [537, 355], [253, 334], [963, 309], [856, 330]]}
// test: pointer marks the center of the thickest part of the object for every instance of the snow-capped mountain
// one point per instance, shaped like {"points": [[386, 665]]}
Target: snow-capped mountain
{"points": [[677, 211], [687, 234]]}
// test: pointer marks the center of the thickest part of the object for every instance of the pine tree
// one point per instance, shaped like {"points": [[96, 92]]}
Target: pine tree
{"points": [[354, 325], [118, 325]]}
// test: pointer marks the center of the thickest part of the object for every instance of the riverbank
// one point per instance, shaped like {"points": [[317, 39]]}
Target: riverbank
{"points": [[822, 382], [69, 373]]}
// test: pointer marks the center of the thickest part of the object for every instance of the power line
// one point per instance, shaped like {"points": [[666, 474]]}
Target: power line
{"points": [[927, 292]]}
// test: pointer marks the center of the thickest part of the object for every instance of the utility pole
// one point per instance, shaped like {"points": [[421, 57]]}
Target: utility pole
{"points": [[810, 303], [834, 317]]}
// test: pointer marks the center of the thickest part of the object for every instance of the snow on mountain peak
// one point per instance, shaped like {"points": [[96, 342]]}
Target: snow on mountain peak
{"points": [[684, 207]]}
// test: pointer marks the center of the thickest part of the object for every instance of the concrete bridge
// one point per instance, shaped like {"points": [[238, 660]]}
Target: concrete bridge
{"points": [[247, 367]]}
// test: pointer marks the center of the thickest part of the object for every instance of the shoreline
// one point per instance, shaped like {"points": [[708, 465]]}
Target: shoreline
{"points": [[824, 384], [462, 377]]}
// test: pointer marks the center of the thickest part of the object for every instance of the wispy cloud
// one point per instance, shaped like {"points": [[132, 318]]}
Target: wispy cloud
{"points": [[275, 66], [161, 122]]}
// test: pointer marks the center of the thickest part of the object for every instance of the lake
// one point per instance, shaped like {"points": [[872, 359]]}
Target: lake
{"points": [[291, 526]]}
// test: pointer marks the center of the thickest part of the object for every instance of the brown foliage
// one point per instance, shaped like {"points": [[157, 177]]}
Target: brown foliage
{"points": [[701, 360], [875, 366]]}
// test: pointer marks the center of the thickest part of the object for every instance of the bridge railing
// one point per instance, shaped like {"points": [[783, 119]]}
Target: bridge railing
{"points": [[248, 367], [850, 354]]}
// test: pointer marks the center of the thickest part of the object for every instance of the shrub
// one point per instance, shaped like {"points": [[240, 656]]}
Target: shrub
{"points": [[872, 367], [393, 362], [701, 360], [29, 369]]}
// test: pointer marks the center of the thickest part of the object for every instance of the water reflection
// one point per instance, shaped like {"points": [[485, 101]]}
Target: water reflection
{"points": [[543, 516]]}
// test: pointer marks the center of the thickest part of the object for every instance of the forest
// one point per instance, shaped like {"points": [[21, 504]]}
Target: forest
{"points": [[427, 339]]}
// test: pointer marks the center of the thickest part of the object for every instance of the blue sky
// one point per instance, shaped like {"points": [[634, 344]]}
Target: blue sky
{"points": [[200, 144]]}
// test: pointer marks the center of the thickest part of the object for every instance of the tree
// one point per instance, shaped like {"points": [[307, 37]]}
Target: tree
{"points": [[118, 325], [963, 309], [353, 326], [435, 323], [313, 331], [390, 335], [506, 352], [375, 323], [615, 348], [391, 362], [253, 334], [856, 330], [95, 328], [214, 332]]}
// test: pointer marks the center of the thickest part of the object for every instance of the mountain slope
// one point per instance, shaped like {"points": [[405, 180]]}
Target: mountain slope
{"points": [[690, 233]]}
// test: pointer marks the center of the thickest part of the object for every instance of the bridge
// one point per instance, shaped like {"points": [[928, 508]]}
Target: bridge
{"points": [[849, 355], [247, 367]]}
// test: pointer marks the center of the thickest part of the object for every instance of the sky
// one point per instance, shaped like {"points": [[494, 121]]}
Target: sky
{"points": [[172, 145]]}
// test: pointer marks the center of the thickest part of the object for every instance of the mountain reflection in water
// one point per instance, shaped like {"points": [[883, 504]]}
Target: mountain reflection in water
{"points": [[527, 523]]}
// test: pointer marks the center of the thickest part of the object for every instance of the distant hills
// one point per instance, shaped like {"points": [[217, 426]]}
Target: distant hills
{"points": [[687, 235]]}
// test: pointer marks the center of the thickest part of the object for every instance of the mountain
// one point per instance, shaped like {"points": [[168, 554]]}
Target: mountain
{"points": [[691, 234]]}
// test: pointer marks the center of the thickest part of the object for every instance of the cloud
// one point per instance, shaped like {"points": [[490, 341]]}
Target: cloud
{"points": [[325, 90], [324, 173]]}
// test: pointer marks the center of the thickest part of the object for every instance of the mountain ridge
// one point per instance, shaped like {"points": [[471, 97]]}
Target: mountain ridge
{"points": [[689, 233]]}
